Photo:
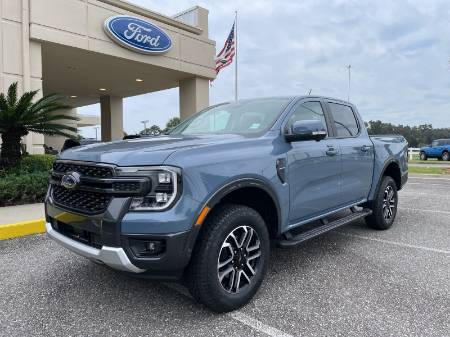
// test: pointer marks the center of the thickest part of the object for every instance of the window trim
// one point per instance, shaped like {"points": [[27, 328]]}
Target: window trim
{"points": [[358, 122], [330, 130]]}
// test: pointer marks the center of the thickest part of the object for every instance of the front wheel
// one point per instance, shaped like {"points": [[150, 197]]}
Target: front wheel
{"points": [[423, 156], [446, 156], [230, 260], [384, 207]]}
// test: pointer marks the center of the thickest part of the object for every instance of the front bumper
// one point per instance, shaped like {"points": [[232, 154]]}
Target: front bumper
{"points": [[114, 257], [111, 237]]}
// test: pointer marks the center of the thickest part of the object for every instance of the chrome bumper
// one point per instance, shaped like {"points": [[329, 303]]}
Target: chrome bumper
{"points": [[111, 256]]}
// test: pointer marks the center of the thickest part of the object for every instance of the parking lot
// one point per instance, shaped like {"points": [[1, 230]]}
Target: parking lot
{"points": [[351, 282]]}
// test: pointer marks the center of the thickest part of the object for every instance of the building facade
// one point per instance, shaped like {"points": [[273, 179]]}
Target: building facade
{"points": [[64, 46]]}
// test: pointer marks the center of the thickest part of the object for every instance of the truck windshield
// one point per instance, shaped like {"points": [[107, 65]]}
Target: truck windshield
{"points": [[243, 117]]}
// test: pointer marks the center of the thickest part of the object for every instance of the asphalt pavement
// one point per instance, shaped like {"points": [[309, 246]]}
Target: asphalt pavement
{"points": [[353, 281]]}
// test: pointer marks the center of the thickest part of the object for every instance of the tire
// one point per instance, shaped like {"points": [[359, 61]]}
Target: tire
{"points": [[216, 246], [384, 207], [445, 156], [423, 156]]}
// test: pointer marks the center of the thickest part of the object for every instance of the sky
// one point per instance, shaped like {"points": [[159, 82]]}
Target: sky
{"points": [[399, 52]]}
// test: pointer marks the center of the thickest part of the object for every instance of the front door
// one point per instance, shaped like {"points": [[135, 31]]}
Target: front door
{"points": [[314, 168]]}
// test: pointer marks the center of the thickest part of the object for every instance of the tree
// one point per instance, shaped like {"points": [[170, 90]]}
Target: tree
{"points": [[154, 130], [19, 116], [173, 122], [416, 136]]}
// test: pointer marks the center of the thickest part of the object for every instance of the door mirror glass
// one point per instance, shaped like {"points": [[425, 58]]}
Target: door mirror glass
{"points": [[306, 130]]}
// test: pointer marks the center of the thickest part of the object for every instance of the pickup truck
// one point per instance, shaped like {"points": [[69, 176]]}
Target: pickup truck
{"points": [[439, 148], [205, 203]]}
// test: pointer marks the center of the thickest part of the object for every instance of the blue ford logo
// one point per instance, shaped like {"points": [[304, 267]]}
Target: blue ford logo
{"points": [[137, 34], [70, 180]]}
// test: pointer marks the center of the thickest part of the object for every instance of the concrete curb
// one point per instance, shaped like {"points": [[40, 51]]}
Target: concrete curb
{"points": [[23, 228]]}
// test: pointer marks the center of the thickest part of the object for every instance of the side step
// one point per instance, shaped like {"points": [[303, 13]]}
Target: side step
{"points": [[292, 241]]}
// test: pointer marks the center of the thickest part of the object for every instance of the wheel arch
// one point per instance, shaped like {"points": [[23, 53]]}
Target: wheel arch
{"points": [[254, 193]]}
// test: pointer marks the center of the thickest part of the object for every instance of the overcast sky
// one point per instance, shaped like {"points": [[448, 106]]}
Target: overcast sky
{"points": [[399, 52]]}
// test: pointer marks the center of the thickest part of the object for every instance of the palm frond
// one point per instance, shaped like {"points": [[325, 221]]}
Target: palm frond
{"points": [[12, 95]]}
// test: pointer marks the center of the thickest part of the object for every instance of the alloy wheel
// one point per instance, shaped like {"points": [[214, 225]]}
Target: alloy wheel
{"points": [[389, 203], [239, 259]]}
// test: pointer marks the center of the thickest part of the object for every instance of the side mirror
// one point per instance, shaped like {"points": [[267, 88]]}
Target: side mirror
{"points": [[306, 130]]}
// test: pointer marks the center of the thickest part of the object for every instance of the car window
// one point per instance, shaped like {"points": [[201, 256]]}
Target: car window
{"points": [[247, 117], [434, 143], [344, 120], [307, 111]]}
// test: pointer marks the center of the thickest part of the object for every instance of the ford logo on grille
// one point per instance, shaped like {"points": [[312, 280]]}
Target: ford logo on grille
{"points": [[70, 180], [137, 34]]}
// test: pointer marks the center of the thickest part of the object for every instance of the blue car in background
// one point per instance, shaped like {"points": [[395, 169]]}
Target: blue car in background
{"points": [[439, 148]]}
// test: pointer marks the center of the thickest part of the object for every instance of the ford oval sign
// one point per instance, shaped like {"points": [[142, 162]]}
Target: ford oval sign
{"points": [[137, 34]]}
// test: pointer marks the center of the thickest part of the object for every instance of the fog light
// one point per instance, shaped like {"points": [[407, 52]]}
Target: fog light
{"points": [[142, 248]]}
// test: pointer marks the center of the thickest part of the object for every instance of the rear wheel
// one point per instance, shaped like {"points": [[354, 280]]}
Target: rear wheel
{"points": [[445, 156], [230, 259], [384, 207], [423, 156]]}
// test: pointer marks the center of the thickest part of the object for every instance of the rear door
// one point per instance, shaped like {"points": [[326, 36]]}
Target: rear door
{"points": [[314, 167], [356, 151]]}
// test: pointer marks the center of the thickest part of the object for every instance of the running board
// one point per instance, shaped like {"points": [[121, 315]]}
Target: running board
{"points": [[327, 226]]}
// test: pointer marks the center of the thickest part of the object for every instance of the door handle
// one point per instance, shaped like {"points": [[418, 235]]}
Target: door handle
{"points": [[366, 148], [331, 151]]}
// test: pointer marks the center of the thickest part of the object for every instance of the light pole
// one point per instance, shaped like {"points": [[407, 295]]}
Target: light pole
{"points": [[349, 78], [145, 124], [96, 130]]}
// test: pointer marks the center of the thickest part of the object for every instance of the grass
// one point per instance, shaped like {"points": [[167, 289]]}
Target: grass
{"points": [[429, 170]]}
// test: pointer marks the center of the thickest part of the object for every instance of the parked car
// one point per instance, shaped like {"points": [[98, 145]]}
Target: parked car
{"points": [[439, 148], [205, 202]]}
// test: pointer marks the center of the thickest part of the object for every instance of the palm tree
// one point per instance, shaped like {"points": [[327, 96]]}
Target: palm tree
{"points": [[19, 116]]}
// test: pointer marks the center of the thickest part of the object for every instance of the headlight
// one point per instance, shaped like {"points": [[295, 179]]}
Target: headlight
{"points": [[165, 187]]}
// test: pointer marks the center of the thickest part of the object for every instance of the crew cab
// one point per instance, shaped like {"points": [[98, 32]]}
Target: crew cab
{"points": [[439, 148], [203, 203]]}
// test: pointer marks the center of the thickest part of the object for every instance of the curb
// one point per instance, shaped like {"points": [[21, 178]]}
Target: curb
{"points": [[23, 228]]}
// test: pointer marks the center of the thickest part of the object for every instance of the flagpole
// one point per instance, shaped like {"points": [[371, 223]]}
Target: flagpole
{"points": [[236, 56]]}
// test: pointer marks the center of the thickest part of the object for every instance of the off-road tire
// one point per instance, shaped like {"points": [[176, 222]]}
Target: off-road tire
{"points": [[423, 156], [379, 219], [445, 156], [202, 275]]}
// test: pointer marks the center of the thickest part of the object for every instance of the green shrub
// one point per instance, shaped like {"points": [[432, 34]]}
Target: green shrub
{"points": [[26, 182]]}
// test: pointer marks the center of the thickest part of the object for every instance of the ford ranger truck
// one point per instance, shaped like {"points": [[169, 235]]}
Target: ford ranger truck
{"points": [[203, 203]]}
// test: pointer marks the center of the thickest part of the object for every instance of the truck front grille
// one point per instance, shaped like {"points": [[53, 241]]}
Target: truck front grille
{"points": [[85, 170], [81, 201]]}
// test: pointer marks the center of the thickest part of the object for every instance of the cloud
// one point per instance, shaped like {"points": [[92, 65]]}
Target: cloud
{"points": [[399, 52]]}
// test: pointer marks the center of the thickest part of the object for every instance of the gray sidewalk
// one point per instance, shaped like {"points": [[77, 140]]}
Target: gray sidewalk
{"points": [[13, 214]]}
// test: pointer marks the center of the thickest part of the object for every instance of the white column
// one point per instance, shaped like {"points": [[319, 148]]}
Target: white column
{"points": [[194, 96], [111, 118]]}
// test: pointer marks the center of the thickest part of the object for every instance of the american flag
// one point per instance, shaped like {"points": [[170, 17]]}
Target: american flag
{"points": [[225, 57]]}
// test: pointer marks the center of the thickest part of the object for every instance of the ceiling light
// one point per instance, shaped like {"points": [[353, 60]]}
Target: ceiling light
{"points": [[139, 80], [73, 96], [102, 89]]}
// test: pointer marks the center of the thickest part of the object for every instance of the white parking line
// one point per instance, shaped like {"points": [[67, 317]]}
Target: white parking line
{"points": [[429, 178], [401, 244], [257, 325], [440, 185], [237, 315], [423, 210], [440, 196]]}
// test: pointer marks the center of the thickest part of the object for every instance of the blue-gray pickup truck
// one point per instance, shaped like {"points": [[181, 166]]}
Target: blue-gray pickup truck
{"points": [[205, 203]]}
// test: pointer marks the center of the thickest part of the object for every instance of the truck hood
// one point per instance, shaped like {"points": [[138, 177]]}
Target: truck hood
{"points": [[142, 151]]}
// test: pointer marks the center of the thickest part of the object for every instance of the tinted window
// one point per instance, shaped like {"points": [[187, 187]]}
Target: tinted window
{"points": [[344, 120], [244, 117], [307, 111]]}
